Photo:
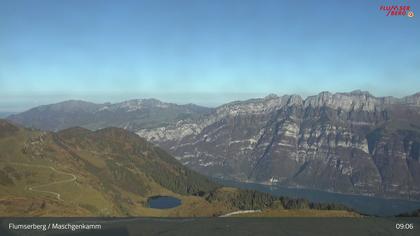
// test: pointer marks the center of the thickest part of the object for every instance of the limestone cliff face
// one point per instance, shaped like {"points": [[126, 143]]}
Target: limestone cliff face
{"points": [[345, 142]]}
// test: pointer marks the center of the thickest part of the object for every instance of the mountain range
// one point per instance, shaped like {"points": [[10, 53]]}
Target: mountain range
{"points": [[343, 142], [132, 115]]}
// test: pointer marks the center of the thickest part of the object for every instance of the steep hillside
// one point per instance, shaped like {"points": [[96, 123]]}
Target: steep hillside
{"points": [[344, 142], [109, 172]]}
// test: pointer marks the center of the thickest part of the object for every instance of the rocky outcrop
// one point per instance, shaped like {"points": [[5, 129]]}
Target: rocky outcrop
{"points": [[343, 142]]}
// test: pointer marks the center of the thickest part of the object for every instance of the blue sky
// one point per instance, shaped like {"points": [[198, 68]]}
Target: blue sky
{"points": [[205, 52]]}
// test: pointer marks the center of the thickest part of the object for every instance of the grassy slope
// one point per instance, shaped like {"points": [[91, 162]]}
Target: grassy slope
{"points": [[110, 180], [116, 173]]}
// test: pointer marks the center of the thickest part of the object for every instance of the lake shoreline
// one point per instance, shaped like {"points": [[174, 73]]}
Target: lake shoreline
{"points": [[370, 205], [221, 180]]}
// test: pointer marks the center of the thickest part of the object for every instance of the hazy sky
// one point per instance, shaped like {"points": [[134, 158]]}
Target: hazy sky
{"points": [[205, 52]]}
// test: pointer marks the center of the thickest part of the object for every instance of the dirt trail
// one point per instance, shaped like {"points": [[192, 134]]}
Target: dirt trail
{"points": [[35, 188]]}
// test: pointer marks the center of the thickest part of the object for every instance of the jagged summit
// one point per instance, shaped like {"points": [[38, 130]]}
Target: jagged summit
{"points": [[356, 99], [349, 142], [360, 92], [295, 100], [148, 113], [271, 96]]}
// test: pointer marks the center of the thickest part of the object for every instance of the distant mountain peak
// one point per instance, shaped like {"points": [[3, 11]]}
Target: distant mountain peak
{"points": [[271, 96], [360, 92], [325, 93], [138, 104], [295, 99]]}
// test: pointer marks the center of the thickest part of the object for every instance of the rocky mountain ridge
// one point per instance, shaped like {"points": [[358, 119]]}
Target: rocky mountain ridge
{"points": [[130, 114], [113, 172], [355, 100], [343, 142]]}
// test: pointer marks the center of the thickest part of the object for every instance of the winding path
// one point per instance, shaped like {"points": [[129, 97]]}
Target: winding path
{"points": [[35, 187]]}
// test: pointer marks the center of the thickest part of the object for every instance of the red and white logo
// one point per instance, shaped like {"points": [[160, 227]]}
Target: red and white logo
{"points": [[397, 10], [410, 14]]}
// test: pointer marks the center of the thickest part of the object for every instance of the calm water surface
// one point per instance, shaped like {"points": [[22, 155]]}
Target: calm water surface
{"points": [[363, 204], [163, 202]]}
